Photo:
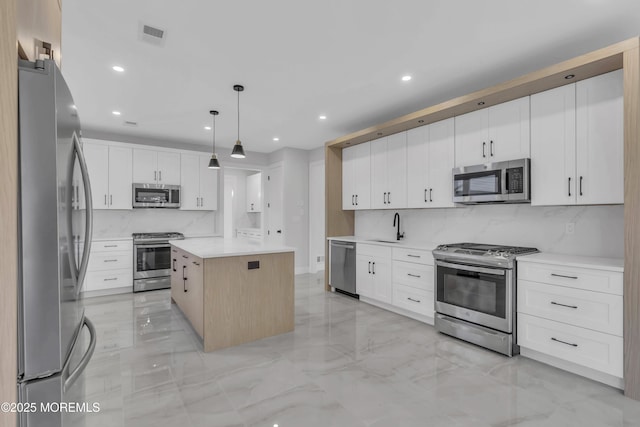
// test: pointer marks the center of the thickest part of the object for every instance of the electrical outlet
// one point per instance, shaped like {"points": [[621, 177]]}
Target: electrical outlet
{"points": [[570, 228]]}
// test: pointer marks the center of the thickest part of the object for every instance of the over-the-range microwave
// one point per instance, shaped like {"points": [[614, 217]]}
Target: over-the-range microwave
{"points": [[499, 182], [156, 196]]}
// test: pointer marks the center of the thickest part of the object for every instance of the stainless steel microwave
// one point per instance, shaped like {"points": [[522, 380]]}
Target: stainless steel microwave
{"points": [[156, 196], [499, 182]]}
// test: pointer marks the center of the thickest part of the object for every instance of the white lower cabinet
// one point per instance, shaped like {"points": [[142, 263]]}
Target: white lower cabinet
{"points": [[413, 281], [110, 267], [373, 272], [572, 315]]}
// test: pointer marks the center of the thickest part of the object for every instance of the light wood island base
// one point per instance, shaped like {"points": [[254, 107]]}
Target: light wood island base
{"points": [[231, 300]]}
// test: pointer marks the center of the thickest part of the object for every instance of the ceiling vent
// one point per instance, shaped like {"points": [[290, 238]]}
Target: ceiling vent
{"points": [[152, 35]]}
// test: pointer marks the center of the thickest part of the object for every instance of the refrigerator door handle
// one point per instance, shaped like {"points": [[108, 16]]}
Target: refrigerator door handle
{"points": [[88, 236], [73, 376]]}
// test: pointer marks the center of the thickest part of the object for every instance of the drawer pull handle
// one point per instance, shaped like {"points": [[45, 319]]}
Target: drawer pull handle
{"points": [[413, 275], [564, 305], [185, 257], [413, 256], [196, 263], [110, 260], [564, 342], [562, 275], [110, 279], [414, 300], [110, 246]]}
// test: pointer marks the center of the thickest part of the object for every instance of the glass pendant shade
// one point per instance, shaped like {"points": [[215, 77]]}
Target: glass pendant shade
{"points": [[238, 151], [214, 163]]}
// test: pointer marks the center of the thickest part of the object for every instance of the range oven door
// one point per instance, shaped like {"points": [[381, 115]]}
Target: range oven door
{"points": [[481, 295], [151, 260]]}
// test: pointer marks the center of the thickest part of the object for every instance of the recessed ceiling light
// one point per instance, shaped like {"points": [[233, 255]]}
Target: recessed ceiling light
{"points": [[116, 113], [481, 103], [323, 117], [406, 78], [276, 139], [570, 76], [118, 68], [207, 128]]}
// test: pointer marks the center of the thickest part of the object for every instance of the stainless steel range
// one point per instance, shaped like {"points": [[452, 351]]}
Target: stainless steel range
{"points": [[152, 260], [476, 293]]}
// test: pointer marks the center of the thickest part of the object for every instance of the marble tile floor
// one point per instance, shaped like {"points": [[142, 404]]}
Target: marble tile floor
{"points": [[346, 364]]}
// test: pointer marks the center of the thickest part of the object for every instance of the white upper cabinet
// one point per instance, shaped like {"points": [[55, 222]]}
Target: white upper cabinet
{"points": [[430, 153], [254, 192], [553, 146], [356, 177], [600, 139], [577, 143], [110, 170], [493, 134], [198, 183], [389, 172], [156, 167]]}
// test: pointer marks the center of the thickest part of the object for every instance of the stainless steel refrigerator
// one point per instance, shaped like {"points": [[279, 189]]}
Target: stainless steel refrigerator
{"points": [[55, 339]]}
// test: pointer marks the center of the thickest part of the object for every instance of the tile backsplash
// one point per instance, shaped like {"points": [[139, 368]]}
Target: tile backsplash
{"points": [[598, 230], [122, 223]]}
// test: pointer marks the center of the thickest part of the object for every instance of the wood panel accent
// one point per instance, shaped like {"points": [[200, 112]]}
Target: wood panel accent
{"points": [[632, 223], [39, 20], [583, 67], [8, 207], [337, 221], [243, 305]]}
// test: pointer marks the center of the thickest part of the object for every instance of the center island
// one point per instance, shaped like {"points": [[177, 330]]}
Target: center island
{"points": [[233, 291]]}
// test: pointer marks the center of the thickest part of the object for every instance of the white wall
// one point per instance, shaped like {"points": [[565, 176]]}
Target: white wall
{"points": [[316, 215], [108, 223], [236, 180], [599, 230]]}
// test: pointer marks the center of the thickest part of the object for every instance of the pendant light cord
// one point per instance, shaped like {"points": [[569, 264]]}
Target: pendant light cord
{"points": [[214, 134], [238, 115]]}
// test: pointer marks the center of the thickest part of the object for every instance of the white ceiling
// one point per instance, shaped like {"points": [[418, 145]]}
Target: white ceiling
{"points": [[299, 59]]}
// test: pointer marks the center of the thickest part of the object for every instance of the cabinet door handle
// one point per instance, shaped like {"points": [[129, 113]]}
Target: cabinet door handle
{"points": [[484, 145], [196, 263], [110, 199], [562, 275], [369, 267], [185, 257], [105, 200], [160, 176], [173, 267], [389, 197], [569, 186], [491, 148], [384, 198], [581, 186], [564, 342], [373, 264], [414, 300], [356, 200], [353, 200], [414, 275], [430, 191], [201, 202], [425, 195], [564, 305], [184, 279], [155, 175]]}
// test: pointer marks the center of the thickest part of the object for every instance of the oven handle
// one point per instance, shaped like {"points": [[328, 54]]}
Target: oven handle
{"points": [[492, 271], [152, 245]]}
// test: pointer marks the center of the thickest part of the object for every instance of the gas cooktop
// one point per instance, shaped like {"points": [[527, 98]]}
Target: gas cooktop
{"points": [[481, 253], [157, 236]]}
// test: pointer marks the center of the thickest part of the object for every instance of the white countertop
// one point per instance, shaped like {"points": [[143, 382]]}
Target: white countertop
{"points": [[426, 246], [598, 263], [218, 247]]}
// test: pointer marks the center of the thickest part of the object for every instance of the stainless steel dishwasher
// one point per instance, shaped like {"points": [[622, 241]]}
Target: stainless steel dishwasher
{"points": [[342, 270]]}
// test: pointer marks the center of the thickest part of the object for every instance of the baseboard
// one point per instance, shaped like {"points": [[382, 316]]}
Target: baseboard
{"points": [[301, 270], [105, 292], [583, 371], [398, 310]]}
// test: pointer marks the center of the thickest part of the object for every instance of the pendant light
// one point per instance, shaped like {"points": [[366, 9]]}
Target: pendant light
{"points": [[213, 163], [238, 151]]}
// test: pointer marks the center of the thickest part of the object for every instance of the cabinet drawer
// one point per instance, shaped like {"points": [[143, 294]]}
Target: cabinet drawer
{"points": [[595, 350], [415, 275], [587, 309], [100, 280], [373, 250], [415, 300], [581, 278], [112, 246], [100, 261], [413, 255]]}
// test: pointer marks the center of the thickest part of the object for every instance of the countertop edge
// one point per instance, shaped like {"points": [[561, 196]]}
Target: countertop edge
{"points": [[578, 261]]}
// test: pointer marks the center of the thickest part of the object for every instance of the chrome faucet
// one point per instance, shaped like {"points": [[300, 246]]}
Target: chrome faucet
{"points": [[398, 234]]}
